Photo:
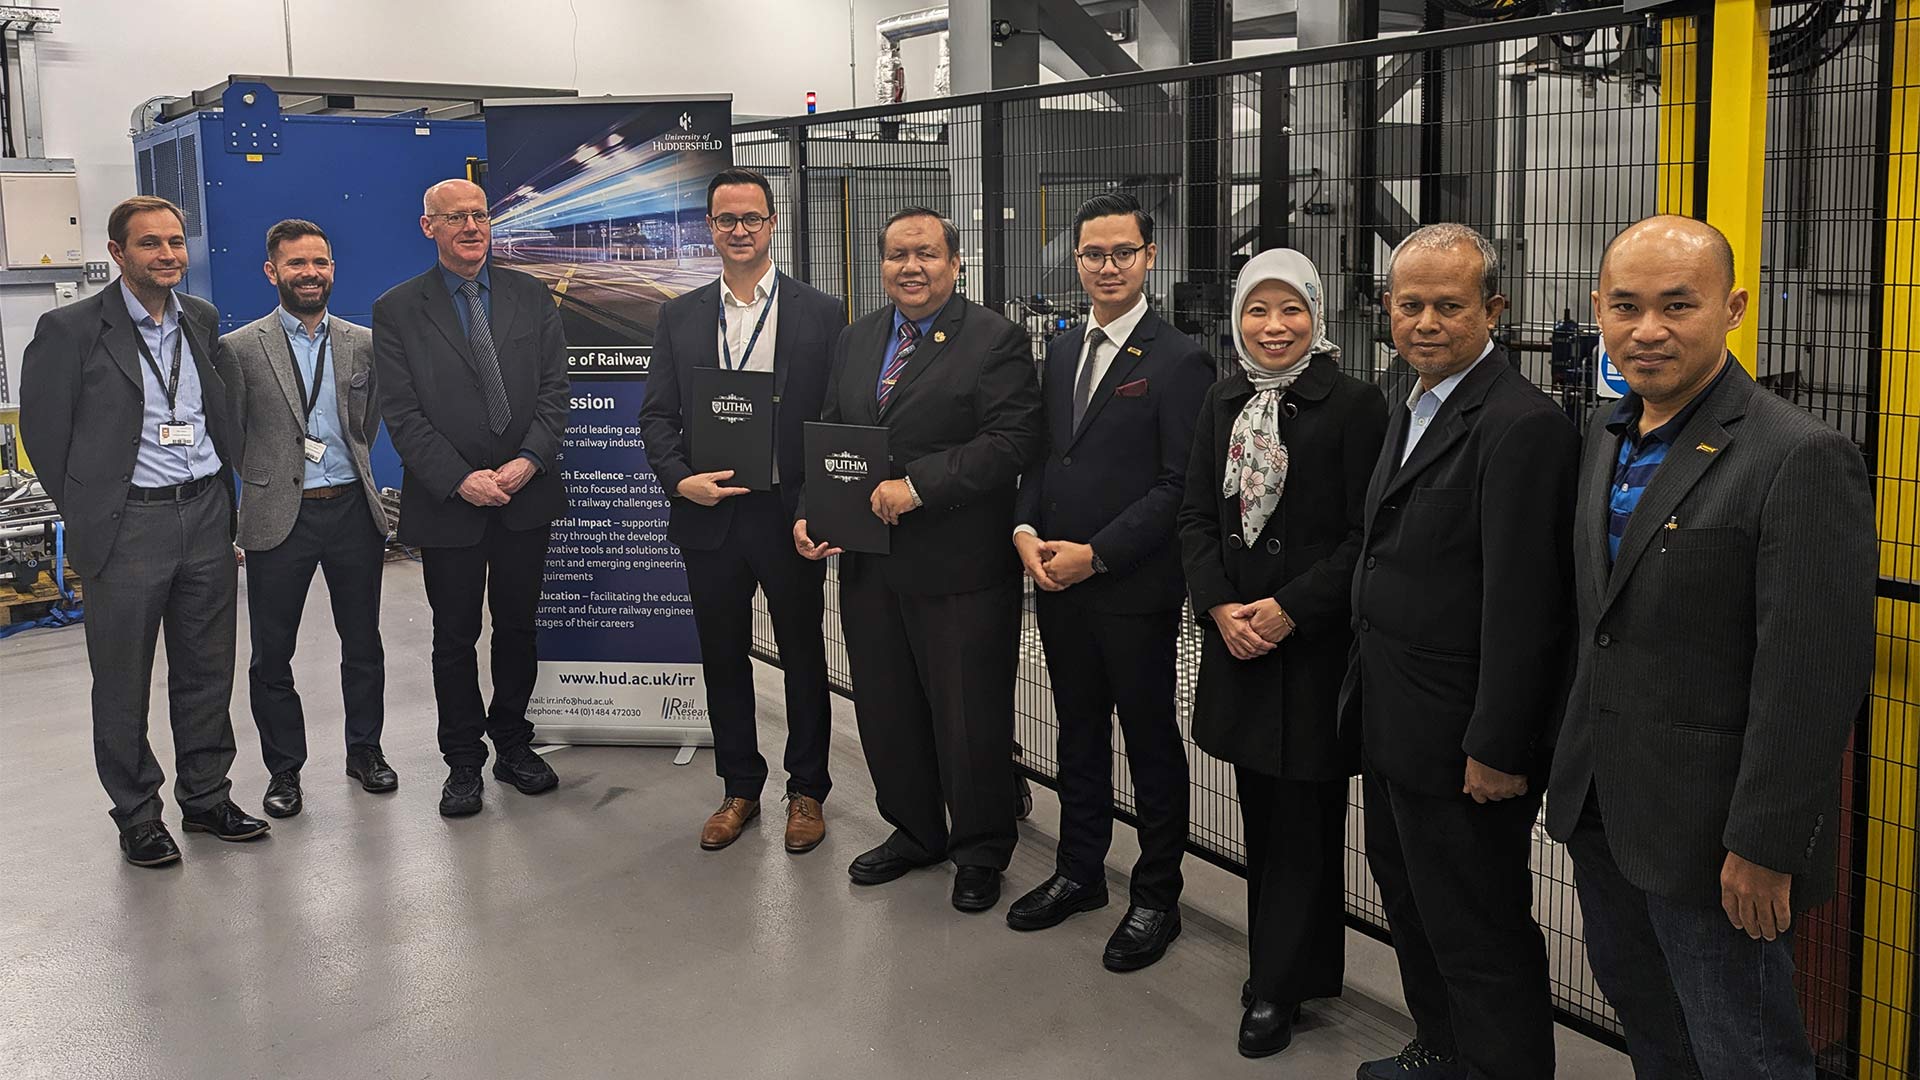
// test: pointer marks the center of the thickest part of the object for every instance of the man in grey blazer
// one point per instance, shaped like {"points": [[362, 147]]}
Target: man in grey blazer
{"points": [[1724, 561], [125, 409], [304, 385]]}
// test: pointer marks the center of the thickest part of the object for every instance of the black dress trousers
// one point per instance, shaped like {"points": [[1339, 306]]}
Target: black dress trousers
{"points": [[337, 536], [504, 572], [1096, 661], [758, 551], [1455, 880], [933, 682], [1296, 885]]}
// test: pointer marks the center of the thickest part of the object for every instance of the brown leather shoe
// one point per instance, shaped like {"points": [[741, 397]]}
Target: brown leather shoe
{"points": [[806, 824], [724, 826]]}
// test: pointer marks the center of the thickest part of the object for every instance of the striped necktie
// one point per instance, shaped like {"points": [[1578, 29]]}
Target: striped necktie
{"points": [[480, 336], [909, 340]]}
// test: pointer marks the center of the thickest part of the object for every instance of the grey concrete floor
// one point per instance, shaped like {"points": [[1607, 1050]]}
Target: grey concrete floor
{"points": [[580, 933]]}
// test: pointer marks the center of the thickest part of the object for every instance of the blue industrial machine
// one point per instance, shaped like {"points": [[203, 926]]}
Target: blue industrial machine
{"points": [[354, 157]]}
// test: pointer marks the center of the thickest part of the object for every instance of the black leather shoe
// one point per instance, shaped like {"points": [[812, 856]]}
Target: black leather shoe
{"points": [[525, 770], [880, 865], [1141, 938], [1052, 901], [1267, 1028], [148, 843], [283, 794], [369, 766], [975, 888], [227, 822], [460, 795]]}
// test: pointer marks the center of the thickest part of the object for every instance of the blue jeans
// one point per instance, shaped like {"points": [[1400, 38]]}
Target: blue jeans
{"points": [[1700, 1000]]}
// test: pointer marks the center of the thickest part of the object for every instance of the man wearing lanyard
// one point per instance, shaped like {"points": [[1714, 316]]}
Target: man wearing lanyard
{"points": [[753, 319], [305, 389], [125, 411]]}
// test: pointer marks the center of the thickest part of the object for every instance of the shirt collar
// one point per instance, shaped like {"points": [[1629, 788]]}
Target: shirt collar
{"points": [[1120, 329], [924, 324], [292, 324], [454, 281], [1445, 387], [761, 289], [1626, 415], [139, 310]]}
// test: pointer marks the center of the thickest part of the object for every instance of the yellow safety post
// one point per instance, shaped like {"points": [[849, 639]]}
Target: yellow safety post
{"points": [[1887, 930], [1737, 148], [1679, 123]]}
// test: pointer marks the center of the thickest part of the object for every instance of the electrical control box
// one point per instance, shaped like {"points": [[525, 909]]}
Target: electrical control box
{"points": [[39, 214]]}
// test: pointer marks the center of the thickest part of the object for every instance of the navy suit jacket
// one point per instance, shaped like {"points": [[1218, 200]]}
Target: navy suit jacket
{"points": [[1117, 481], [687, 337]]}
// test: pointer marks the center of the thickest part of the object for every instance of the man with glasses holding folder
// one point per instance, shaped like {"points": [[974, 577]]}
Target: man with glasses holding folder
{"points": [[731, 514], [305, 390]]}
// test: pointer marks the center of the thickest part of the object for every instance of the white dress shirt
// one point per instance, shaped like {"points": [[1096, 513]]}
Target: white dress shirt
{"points": [[741, 318], [1424, 403], [1117, 332]]}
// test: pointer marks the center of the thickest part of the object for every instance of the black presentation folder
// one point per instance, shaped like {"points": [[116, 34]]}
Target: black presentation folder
{"points": [[730, 425], [845, 462]]}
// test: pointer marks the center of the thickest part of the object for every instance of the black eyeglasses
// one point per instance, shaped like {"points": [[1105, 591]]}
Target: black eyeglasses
{"points": [[459, 218], [1122, 257], [726, 222]]}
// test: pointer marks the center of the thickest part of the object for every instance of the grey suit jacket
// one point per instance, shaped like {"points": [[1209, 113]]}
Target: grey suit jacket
{"points": [[82, 401], [1724, 656], [272, 427]]}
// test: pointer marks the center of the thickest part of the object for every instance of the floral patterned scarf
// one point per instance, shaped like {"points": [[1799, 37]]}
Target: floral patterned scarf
{"points": [[1256, 472]]}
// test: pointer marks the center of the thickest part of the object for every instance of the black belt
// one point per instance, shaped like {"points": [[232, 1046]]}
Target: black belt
{"points": [[172, 492]]}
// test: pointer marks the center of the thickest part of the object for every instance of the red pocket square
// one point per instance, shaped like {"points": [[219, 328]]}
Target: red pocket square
{"points": [[1136, 388]]}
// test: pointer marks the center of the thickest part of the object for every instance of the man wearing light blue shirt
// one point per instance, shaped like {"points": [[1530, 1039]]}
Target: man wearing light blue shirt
{"points": [[305, 386], [125, 407]]}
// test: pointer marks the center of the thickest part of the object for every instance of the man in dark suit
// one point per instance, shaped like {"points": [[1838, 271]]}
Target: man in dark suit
{"points": [[933, 627], [473, 384], [128, 418], [1096, 534], [1724, 561], [732, 539], [303, 381], [1463, 620]]}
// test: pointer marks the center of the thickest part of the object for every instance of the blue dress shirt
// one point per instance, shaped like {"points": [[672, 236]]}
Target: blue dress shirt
{"points": [[156, 466], [1423, 404], [335, 467]]}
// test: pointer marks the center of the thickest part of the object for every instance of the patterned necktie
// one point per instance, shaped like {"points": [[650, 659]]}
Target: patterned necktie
{"points": [[909, 340], [1083, 386], [480, 336]]}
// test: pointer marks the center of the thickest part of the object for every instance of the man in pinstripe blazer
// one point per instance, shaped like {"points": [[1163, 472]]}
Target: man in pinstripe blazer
{"points": [[1724, 563]]}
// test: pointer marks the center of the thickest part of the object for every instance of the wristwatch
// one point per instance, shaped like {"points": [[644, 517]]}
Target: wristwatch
{"points": [[1099, 567]]}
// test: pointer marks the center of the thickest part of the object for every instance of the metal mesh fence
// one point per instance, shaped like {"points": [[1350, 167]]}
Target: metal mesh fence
{"points": [[1547, 135]]}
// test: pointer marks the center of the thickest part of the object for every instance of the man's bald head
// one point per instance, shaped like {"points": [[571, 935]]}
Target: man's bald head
{"points": [[447, 191], [1678, 236]]}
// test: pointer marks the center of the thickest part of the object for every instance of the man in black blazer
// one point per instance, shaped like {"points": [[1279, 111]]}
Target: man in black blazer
{"points": [[130, 423], [1096, 534], [933, 628], [733, 539], [472, 367], [1724, 562], [1462, 615]]}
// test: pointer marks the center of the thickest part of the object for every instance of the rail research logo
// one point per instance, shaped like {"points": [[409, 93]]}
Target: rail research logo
{"points": [[846, 467], [732, 408], [687, 138]]}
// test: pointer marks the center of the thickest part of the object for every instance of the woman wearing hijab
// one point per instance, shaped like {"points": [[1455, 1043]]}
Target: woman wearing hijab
{"points": [[1270, 530]]}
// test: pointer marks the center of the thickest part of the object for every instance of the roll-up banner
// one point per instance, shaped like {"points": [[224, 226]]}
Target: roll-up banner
{"points": [[604, 199]]}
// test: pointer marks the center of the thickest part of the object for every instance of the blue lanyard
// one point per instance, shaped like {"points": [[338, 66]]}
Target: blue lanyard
{"points": [[727, 349]]}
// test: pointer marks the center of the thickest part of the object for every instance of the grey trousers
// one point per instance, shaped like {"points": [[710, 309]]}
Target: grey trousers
{"points": [[172, 569]]}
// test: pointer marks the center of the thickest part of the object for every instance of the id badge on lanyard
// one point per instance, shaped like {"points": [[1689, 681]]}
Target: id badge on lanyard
{"points": [[173, 432]]}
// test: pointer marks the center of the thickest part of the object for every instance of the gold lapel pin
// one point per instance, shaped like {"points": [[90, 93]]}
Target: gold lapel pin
{"points": [[1705, 449], [939, 336], [1134, 349]]}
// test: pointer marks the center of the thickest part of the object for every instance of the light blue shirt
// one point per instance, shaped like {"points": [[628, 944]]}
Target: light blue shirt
{"points": [[1425, 404], [335, 467], [156, 466]]}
